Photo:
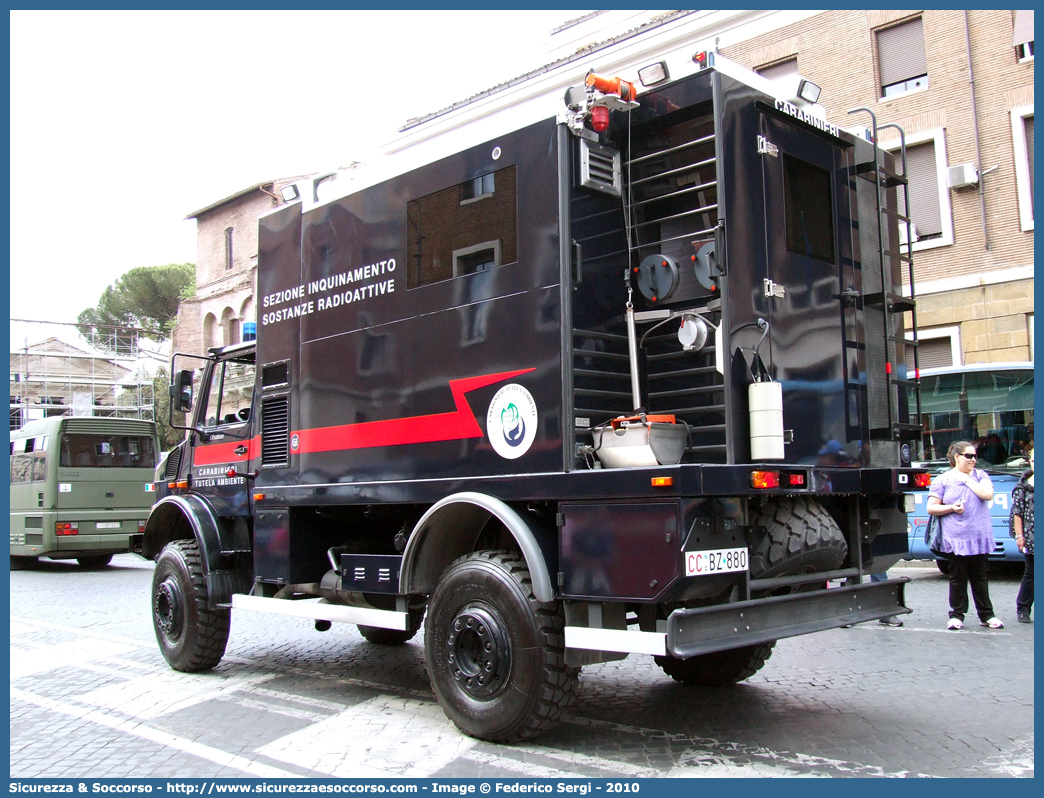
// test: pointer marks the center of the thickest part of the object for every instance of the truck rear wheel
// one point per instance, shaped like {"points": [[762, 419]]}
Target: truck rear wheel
{"points": [[800, 537], [496, 655], [192, 637], [720, 667]]}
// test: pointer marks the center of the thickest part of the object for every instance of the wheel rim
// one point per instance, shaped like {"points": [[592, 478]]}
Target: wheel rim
{"points": [[478, 652], [167, 608]]}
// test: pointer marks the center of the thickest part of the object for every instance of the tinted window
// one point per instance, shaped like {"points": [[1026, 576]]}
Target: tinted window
{"points": [[462, 229], [808, 210], [991, 409], [230, 393], [107, 451]]}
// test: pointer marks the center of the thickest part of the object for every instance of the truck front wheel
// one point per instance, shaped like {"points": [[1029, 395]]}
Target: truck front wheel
{"points": [[496, 655], [718, 668], [192, 637]]}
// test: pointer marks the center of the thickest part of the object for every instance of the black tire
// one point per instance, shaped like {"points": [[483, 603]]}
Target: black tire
{"points": [[496, 655], [800, 537], [94, 561], [393, 637], [191, 636], [944, 567], [720, 667]]}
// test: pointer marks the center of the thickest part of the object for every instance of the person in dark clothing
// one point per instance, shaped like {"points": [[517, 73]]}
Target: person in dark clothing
{"points": [[1020, 523]]}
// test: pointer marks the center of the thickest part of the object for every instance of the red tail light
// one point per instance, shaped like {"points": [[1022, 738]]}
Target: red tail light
{"points": [[141, 526], [923, 480], [67, 528]]}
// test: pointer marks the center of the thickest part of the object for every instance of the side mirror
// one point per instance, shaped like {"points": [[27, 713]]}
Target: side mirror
{"points": [[181, 392]]}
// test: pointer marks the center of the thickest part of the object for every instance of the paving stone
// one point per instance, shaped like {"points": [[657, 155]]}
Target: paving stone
{"points": [[93, 698]]}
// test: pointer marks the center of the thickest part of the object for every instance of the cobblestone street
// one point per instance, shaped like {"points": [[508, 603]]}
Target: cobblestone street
{"points": [[91, 697]]}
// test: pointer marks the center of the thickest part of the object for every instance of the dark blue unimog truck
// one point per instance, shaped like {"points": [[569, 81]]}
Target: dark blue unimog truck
{"points": [[632, 380]]}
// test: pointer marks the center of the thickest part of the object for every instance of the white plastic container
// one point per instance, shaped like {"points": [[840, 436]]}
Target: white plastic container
{"points": [[765, 400]]}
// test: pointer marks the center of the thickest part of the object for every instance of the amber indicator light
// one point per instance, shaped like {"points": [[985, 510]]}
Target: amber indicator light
{"points": [[764, 479]]}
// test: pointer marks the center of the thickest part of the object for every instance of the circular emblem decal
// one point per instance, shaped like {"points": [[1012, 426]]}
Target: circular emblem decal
{"points": [[904, 452], [511, 422], [294, 442]]}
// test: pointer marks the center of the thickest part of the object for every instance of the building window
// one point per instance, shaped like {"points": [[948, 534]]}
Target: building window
{"points": [[936, 347], [1022, 144], [478, 188], [478, 258], [227, 318], [929, 196], [228, 247], [781, 71], [901, 60], [1022, 41]]}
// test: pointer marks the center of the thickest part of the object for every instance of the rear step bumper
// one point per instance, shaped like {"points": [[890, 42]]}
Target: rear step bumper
{"points": [[703, 630]]}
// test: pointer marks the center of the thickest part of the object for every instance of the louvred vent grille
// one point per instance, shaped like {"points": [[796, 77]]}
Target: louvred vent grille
{"points": [[275, 431], [600, 168], [173, 463]]}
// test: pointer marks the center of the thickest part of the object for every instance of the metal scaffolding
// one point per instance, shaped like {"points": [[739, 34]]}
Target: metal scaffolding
{"points": [[104, 373]]}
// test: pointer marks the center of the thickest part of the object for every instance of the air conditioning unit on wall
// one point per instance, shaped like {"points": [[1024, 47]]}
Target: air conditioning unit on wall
{"points": [[964, 175]]}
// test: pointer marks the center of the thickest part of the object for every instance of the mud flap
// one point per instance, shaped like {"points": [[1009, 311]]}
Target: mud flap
{"points": [[703, 630]]}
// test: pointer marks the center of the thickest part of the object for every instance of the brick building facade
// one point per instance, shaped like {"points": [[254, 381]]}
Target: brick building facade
{"points": [[959, 84], [226, 268], [966, 98]]}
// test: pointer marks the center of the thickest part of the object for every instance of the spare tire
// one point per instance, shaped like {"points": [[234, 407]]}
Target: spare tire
{"points": [[792, 536], [799, 537]]}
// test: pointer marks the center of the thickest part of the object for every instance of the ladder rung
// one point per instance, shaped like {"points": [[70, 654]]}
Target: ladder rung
{"points": [[898, 255]]}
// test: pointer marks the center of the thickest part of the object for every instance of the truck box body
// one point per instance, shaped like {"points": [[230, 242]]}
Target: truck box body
{"points": [[657, 365]]}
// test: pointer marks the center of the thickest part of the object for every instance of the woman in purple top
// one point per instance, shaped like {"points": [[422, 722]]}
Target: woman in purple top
{"points": [[961, 498]]}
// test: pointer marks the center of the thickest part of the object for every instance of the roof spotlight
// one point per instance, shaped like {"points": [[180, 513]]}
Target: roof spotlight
{"points": [[808, 91], [653, 74]]}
